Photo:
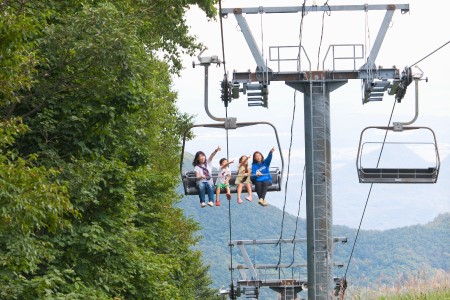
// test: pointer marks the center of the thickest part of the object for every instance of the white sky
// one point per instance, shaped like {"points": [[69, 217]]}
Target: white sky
{"points": [[410, 37]]}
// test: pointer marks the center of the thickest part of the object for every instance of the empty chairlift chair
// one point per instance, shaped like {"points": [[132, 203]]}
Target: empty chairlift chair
{"points": [[394, 174]]}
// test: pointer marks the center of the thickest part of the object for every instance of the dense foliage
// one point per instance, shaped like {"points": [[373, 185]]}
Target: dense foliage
{"points": [[89, 139]]}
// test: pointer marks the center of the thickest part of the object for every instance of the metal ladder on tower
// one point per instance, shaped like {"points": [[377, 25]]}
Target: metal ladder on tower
{"points": [[321, 194]]}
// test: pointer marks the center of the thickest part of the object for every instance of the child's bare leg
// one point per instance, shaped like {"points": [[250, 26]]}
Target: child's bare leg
{"points": [[249, 191], [228, 192], [217, 193], [239, 190]]}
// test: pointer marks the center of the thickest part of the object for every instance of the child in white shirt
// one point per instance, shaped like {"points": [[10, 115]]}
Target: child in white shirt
{"points": [[223, 179]]}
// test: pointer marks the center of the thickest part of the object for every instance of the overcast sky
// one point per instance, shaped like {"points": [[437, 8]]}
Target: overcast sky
{"points": [[411, 37]]}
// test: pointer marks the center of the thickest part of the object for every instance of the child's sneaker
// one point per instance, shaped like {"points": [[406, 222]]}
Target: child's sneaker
{"points": [[228, 196], [265, 203], [261, 201], [240, 201], [210, 203], [248, 198], [217, 203], [203, 204]]}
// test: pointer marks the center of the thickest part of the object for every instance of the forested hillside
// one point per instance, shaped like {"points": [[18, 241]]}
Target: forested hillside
{"points": [[379, 257], [89, 139]]}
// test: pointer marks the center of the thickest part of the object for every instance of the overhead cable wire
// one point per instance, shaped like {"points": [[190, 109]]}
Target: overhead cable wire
{"points": [[367, 41], [229, 218], [379, 157], [298, 212], [445, 44], [370, 190], [292, 123], [321, 33], [222, 38], [287, 177], [300, 34], [366, 35], [290, 143], [261, 11], [368, 195], [232, 293]]}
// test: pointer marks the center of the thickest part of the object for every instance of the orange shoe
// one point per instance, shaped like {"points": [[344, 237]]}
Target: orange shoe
{"points": [[217, 203]]}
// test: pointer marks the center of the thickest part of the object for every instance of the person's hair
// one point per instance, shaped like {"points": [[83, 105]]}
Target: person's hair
{"points": [[221, 161], [254, 154], [241, 158], [196, 161], [246, 164]]}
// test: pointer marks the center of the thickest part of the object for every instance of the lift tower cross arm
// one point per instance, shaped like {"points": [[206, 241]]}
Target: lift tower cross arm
{"points": [[256, 52]]}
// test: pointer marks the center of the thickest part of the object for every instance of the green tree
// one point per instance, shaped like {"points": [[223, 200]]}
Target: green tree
{"points": [[89, 142]]}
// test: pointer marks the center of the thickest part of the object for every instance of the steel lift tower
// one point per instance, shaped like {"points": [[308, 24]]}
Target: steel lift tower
{"points": [[316, 87]]}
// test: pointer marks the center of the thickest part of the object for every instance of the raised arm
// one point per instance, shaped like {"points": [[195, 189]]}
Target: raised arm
{"points": [[229, 163], [214, 153], [244, 161], [268, 159]]}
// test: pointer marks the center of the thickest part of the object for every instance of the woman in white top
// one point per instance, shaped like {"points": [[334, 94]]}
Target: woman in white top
{"points": [[203, 172]]}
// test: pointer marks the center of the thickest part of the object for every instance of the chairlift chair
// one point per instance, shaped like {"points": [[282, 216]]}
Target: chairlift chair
{"points": [[190, 181], [397, 175]]}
